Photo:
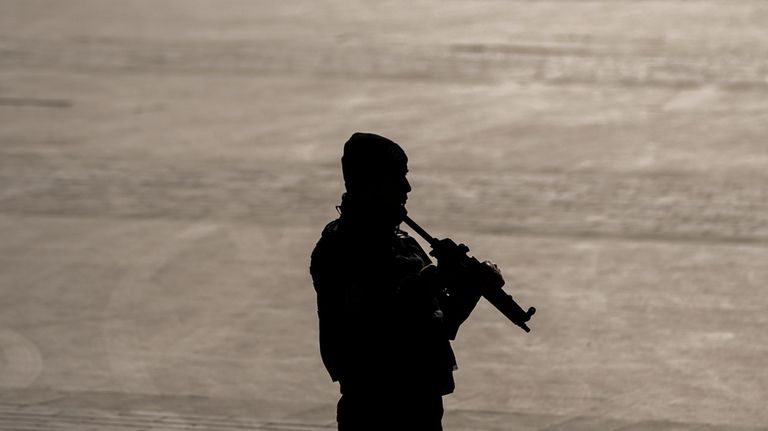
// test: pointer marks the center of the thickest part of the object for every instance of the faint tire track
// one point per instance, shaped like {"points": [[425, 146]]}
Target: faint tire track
{"points": [[35, 418]]}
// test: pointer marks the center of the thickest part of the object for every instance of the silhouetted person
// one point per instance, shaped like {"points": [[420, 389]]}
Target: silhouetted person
{"points": [[386, 313]]}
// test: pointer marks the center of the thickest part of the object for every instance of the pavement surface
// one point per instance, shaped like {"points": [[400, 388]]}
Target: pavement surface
{"points": [[166, 167]]}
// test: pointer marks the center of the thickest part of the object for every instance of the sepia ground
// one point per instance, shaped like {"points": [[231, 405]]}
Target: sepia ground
{"points": [[166, 167]]}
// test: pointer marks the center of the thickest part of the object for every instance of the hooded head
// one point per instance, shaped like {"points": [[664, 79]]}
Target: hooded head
{"points": [[374, 169]]}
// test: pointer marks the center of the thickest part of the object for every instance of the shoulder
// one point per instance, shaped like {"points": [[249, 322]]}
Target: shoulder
{"points": [[327, 247], [401, 234], [408, 245], [330, 237], [407, 240]]}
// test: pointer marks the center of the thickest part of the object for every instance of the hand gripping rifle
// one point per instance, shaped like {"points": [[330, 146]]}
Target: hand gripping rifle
{"points": [[457, 253]]}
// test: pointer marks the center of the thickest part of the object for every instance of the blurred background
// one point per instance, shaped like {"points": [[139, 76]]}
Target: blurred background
{"points": [[166, 167]]}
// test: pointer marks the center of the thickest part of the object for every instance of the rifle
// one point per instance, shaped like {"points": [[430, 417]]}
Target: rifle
{"points": [[457, 254]]}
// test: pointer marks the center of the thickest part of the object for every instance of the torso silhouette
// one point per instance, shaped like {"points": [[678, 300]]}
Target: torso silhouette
{"points": [[379, 328], [385, 322]]}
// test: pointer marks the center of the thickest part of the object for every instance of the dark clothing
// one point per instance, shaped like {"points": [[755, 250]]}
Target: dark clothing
{"points": [[385, 324], [375, 413]]}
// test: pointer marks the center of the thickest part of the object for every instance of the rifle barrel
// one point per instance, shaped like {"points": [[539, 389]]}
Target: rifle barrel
{"points": [[418, 229]]}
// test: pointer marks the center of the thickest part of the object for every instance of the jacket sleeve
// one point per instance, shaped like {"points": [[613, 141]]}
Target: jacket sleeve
{"points": [[453, 290], [456, 295], [329, 311]]}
